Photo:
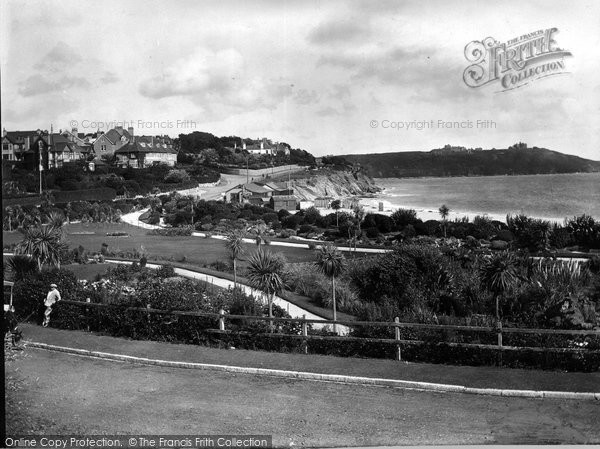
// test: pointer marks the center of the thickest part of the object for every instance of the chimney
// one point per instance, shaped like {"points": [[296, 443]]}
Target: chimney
{"points": [[130, 130], [243, 145], [235, 145], [262, 144]]}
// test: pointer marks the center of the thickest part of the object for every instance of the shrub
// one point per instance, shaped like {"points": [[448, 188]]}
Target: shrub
{"points": [[404, 217], [585, 231], [172, 232], [165, 271], [29, 294], [176, 176]]}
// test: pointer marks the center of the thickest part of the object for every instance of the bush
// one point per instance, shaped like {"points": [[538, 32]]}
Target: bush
{"points": [[172, 232], [29, 294], [176, 176], [404, 217]]}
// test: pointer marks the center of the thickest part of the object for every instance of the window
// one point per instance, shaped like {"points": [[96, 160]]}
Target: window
{"points": [[5, 147], [102, 147]]}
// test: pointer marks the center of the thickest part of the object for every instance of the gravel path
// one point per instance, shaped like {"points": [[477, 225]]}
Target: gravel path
{"points": [[54, 393]]}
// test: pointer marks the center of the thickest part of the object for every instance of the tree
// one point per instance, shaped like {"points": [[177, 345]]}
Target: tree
{"points": [[44, 244], [336, 205], [359, 215], [235, 245], [499, 274], [55, 219], [331, 262], [21, 267], [444, 211], [266, 273], [9, 217], [261, 231]]}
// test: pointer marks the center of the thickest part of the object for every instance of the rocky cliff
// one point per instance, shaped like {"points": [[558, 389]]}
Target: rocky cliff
{"points": [[337, 184]]}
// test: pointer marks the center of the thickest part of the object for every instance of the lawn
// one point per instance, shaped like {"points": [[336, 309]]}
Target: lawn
{"points": [[89, 271], [196, 250]]}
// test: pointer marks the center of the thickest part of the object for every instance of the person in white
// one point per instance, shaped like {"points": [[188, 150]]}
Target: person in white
{"points": [[52, 297]]}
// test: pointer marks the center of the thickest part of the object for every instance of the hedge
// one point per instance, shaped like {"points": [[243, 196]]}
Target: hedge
{"points": [[252, 334]]}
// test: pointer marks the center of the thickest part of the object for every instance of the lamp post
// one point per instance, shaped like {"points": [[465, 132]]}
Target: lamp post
{"points": [[40, 167]]}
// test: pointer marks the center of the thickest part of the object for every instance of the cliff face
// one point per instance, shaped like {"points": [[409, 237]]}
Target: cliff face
{"points": [[337, 184]]}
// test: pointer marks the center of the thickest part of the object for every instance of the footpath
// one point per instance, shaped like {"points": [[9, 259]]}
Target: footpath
{"points": [[444, 378]]}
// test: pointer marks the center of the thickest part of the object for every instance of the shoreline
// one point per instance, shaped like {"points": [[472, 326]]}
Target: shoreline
{"points": [[371, 205], [395, 195], [429, 213]]}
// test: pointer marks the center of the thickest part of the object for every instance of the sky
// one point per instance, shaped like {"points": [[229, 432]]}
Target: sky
{"points": [[331, 77]]}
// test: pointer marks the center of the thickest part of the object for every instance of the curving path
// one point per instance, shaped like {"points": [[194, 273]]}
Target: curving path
{"points": [[292, 309], [133, 218]]}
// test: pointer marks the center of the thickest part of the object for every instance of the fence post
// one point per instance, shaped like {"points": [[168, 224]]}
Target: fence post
{"points": [[221, 320], [397, 337], [305, 333], [87, 314], [499, 331]]}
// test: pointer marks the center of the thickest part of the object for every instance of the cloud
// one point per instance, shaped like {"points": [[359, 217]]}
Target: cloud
{"points": [[424, 73], [334, 31], [305, 97], [109, 78], [217, 79], [327, 111], [40, 84], [63, 68], [58, 57]]}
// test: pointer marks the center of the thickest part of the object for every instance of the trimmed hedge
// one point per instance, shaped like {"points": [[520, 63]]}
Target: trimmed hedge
{"points": [[251, 334]]}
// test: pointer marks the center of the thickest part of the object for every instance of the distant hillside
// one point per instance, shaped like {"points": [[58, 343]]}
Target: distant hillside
{"points": [[479, 163]]}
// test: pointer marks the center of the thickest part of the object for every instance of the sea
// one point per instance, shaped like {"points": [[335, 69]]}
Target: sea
{"points": [[552, 197]]}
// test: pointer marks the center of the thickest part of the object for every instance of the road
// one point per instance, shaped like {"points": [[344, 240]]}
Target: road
{"points": [[50, 392]]}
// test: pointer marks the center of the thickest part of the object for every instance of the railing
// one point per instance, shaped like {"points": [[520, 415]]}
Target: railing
{"points": [[304, 335]]}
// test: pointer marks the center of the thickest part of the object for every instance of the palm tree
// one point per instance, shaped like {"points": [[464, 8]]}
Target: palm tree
{"points": [[261, 230], [9, 217], [336, 205], [359, 215], [498, 275], [43, 243], [331, 262], [266, 273], [21, 267], [55, 219], [444, 211], [235, 245]]}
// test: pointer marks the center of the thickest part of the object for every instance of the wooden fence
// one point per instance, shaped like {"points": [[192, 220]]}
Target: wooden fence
{"points": [[220, 320]]}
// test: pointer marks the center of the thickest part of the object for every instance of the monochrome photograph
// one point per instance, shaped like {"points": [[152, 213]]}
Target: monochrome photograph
{"points": [[300, 223]]}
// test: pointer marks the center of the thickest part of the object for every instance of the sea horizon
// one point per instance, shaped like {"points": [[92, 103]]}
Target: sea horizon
{"points": [[552, 197]]}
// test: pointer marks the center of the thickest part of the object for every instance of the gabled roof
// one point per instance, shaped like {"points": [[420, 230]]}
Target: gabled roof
{"points": [[276, 186], [60, 147], [255, 188], [143, 147], [112, 135], [18, 137], [283, 198]]}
